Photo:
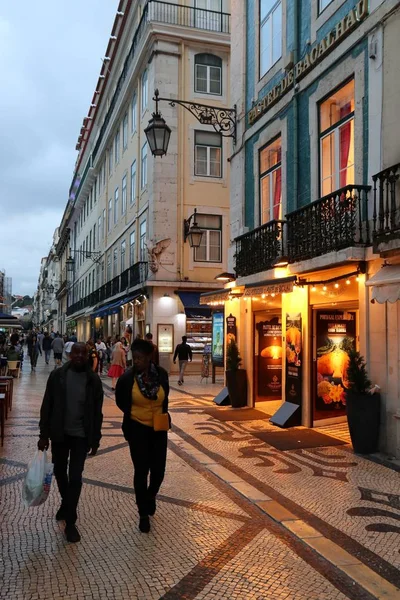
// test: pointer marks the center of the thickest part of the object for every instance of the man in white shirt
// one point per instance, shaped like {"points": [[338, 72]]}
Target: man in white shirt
{"points": [[67, 351], [101, 352]]}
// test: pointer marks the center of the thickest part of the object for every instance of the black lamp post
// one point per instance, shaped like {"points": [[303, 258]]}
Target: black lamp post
{"points": [[192, 233], [70, 264], [158, 133]]}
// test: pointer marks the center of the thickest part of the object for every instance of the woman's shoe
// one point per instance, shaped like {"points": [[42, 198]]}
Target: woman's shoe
{"points": [[144, 524], [152, 506]]}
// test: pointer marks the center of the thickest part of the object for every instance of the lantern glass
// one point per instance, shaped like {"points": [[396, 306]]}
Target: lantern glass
{"points": [[194, 236], [158, 134]]}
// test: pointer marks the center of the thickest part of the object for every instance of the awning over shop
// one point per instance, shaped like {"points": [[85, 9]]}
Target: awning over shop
{"points": [[214, 296], [270, 286], [386, 284], [191, 304], [113, 307]]}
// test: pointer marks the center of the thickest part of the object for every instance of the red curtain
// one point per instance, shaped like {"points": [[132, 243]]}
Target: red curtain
{"points": [[277, 193], [344, 145]]}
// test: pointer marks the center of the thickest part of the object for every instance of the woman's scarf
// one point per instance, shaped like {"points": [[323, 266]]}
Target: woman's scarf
{"points": [[149, 382]]}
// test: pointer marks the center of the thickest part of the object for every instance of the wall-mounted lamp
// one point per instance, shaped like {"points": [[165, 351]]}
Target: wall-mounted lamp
{"points": [[225, 277], [281, 261], [192, 233]]}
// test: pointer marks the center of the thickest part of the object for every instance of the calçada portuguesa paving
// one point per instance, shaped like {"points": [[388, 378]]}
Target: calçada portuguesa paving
{"points": [[236, 518]]}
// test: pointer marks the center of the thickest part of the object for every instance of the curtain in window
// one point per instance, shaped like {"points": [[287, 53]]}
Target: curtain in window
{"points": [[344, 141], [277, 194]]}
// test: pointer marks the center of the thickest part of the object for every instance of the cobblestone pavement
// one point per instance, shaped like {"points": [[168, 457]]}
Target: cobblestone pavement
{"points": [[236, 518]]}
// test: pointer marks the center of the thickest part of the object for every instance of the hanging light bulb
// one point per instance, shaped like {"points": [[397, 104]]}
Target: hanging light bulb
{"points": [[357, 278], [313, 289], [348, 281], [324, 288], [263, 296], [336, 285], [272, 295]]}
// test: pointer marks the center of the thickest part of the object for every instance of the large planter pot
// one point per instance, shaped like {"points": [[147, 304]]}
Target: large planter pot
{"points": [[363, 416], [236, 382]]}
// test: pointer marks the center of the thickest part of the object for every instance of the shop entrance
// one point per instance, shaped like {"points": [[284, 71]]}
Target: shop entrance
{"points": [[335, 332], [267, 356]]}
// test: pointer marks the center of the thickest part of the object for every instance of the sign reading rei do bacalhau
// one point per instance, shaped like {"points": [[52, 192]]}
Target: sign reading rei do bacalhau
{"points": [[318, 51], [293, 358]]}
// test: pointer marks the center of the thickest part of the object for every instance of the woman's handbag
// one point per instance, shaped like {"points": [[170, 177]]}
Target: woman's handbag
{"points": [[161, 422]]}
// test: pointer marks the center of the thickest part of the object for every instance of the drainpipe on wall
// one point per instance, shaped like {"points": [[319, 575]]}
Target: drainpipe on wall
{"points": [[295, 106]]}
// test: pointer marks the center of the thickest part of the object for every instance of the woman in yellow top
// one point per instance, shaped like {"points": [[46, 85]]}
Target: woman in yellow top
{"points": [[142, 395]]}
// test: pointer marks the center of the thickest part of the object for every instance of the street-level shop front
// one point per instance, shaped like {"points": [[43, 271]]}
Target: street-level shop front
{"points": [[294, 334]]}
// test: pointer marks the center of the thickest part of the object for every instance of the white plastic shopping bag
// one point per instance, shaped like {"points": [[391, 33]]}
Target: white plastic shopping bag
{"points": [[37, 482]]}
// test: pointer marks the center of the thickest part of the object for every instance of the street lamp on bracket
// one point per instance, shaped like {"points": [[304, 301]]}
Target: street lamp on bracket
{"points": [[70, 262], [223, 120], [193, 233]]}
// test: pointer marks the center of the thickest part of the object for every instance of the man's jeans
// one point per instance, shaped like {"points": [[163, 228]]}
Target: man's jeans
{"points": [[182, 367], [47, 354], [69, 485]]}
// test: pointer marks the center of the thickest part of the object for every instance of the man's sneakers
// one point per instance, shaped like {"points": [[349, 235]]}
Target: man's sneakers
{"points": [[180, 382], [144, 524], [61, 514], [72, 534]]}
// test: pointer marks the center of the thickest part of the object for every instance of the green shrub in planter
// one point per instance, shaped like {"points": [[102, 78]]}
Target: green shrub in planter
{"points": [[236, 380], [363, 408]]}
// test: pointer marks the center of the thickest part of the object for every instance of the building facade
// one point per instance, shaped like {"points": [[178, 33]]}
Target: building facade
{"points": [[45, 309], [315, 203], [131, 262]]}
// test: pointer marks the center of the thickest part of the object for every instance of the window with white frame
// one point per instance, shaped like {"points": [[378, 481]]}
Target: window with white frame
{"points": [[99, 229], [104, 223], [322, 4], [206, 14], [91, 199], [208, 74], [210, 249], [110, 161], [123, 248], [95, 192], [109, 266], [208, 154], [133, 112], [117, 143], [125, 131], [94, 236], [143, 166], [102, 274], [336, 118], [93, 280], [104, 173], [116, 205], [123, 199], [270, 34], [132, 248], [145, 90], [86, 286], [133, 181], [270, 181], [142, 241], [90, 241], [115, 262], [109, 214]]}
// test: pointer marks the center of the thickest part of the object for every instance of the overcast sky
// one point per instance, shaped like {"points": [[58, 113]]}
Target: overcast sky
{"points": [[50, 60]]}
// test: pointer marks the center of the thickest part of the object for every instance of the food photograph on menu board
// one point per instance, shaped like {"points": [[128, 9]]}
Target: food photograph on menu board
{"points": [[293, 358], [269, 372], [336, 332]]}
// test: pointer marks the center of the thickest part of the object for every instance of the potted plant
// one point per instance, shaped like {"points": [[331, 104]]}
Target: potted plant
{"points": [[236, 380], [363, 407]]}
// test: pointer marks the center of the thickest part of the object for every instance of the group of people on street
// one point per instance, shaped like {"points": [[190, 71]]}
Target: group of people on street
{"points": [[71, 417]]}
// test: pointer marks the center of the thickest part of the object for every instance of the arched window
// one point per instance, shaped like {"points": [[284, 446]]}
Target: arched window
{"points": [[208, 74]]}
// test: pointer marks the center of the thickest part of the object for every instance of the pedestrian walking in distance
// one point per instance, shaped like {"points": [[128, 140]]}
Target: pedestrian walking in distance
{"points": [[184, 354], [71, 417], [58, 349], [47, 341], [101, 353], [142, 395], [40, 337], [33, 349], [118, 364], [156, 355]]}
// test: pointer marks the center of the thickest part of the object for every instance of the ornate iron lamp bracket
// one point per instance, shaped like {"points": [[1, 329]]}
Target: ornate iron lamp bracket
{"points": [[222, 119]]}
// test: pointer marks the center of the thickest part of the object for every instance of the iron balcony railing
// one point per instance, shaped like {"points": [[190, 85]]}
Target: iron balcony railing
{"points": [[258, 249], [131, 277], [386, 215], [334, 222]]}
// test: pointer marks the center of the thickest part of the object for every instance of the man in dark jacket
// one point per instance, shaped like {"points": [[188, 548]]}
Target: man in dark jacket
{"points": [[47, 341], [184, 353], [71, 417]]}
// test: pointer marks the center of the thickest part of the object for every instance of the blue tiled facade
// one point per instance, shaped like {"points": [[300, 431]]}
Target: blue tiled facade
{"points": [[304, 30]]}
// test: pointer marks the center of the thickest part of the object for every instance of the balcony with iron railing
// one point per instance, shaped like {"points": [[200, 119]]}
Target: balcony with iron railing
{"points": [[130, 278], [257, 250], [386, 212], [337, 221]]}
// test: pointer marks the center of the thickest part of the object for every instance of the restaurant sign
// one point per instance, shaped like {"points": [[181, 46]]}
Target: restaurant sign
{"points": [[278, 288], [311, 59]]}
